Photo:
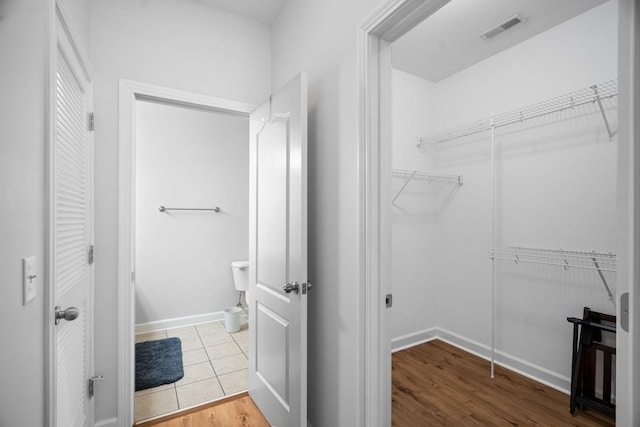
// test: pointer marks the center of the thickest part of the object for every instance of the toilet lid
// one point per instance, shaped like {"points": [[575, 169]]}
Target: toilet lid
{"points": [[240, 264]]}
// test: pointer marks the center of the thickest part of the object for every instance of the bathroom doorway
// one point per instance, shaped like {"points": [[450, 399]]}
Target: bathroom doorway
{"points": [[190, 186]]}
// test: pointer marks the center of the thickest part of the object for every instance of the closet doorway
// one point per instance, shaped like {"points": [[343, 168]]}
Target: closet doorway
{"points": [[530, 181], [189, 221], [504, 215]]}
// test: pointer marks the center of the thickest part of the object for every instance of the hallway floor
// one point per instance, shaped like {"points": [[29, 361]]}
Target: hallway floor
{"points": [[215, 365], [235, 411]]}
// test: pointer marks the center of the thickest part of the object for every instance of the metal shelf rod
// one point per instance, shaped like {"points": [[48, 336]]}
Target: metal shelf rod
{"points": [[517, 261], [576, 258], [164, 209]]}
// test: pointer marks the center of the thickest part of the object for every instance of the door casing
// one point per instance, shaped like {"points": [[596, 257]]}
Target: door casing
{"points": [[376, 34], [129, 93]]}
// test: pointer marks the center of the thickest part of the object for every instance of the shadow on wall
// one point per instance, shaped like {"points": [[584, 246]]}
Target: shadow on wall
{"points": [[421, 201], [326, 332]]}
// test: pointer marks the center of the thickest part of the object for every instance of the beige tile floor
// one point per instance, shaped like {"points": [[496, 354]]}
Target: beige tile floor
{"points": [[215, 365]]}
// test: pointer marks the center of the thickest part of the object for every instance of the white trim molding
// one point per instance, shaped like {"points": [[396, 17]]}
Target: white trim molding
{"points": [[628, 274], [411, 340], [72, 33], [109, 422], [375, 36], [130, 92], [513, 363], [181, 322]]}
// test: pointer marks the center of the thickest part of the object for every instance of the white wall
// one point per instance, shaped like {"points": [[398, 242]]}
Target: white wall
{"points": [[23, 38], [416, 210], [80, 12], [556, 188], [189, 158], [23, 106], [184, 45], [320, 37]]}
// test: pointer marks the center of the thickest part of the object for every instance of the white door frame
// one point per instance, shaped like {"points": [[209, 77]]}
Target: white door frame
{"points": [[628, 275], [375, 36], [386, 25], [130, 92], [59, 14]]}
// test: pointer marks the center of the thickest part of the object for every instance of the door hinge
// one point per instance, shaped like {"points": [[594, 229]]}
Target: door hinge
{"points": [[91, 121], [133, 276], [92, 384], [91, 255]]}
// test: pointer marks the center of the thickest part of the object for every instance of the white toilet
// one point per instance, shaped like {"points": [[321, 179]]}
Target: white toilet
{"points": [[240, 271]]}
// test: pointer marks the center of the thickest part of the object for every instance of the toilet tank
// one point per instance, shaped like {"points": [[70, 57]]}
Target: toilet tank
{"points": [[240, 271]]}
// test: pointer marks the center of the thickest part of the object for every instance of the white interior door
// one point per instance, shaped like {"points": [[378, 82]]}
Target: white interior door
{"points": [[278, 256], [71, 231]]}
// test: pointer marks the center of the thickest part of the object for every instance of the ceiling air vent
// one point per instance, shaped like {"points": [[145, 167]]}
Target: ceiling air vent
{"points": [[503, 26]]}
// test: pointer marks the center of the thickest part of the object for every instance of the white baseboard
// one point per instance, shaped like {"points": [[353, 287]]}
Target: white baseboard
{"points": [[109, 422], [180, 322], [413, 339], [515, 364]]}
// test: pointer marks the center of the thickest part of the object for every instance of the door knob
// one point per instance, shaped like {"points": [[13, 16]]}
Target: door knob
{"points": [[291, 287], [69, 314]]}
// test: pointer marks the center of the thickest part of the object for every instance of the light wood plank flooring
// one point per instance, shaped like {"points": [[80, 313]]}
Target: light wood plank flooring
{"points": [[235, 411], [436, 384]]}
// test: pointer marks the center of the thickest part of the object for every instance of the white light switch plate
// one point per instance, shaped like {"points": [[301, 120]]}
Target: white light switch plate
{"points": [[28, 279]]}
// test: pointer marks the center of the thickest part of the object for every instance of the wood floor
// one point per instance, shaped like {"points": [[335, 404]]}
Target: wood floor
{"points": [[436, 384], [235, 411]]}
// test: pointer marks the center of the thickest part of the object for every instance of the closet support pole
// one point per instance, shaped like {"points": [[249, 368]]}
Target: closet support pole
{"points": [[493, 245]]}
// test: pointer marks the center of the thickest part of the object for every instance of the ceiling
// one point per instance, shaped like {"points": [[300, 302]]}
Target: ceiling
{"points": [[449, 41], [264, 11]]}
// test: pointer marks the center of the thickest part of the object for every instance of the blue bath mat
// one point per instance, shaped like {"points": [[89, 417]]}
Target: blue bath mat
{"points": [[158, 362]]}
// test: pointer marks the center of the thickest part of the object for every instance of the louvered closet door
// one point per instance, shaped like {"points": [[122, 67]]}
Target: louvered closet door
{"points": [[71, 233]]}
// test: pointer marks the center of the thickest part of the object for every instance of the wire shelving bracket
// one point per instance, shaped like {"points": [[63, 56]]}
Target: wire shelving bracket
{"points": [[408, 175]]}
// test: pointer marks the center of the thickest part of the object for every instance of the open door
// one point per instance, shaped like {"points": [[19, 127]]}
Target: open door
{"points": [[279, 287], [70, 251]]}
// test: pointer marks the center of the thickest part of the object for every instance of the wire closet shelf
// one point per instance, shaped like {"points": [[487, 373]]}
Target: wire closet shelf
{"points": [[427, 176], [407, 176], [595, 94], [598, 261], [559, 257]]}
